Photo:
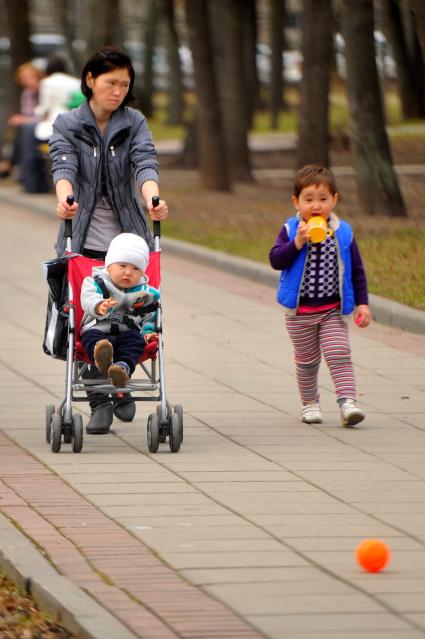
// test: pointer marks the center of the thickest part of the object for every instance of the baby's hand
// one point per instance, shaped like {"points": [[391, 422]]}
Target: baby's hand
{"points": [[103, 307], [362, 315], [149, 337], [301, 237]]}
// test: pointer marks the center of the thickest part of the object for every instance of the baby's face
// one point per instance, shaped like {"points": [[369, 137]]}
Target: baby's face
{"points": [[315, 199], [124, 275]]}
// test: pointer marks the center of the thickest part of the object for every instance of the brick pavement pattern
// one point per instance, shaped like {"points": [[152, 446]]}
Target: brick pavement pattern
{"points": [[251, 529]]}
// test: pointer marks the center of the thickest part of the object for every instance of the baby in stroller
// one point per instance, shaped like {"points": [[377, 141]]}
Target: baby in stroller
{"points": [[119, 314]]}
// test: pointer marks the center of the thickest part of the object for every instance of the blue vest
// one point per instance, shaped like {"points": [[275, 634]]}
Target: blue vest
{"points": [[290, 279]]}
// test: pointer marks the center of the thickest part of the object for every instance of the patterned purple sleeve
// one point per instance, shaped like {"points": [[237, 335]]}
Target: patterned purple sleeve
{"points": [[358, 275], [284, 251]]}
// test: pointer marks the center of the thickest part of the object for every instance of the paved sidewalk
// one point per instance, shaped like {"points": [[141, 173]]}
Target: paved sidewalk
{"points": [[250, 530]]}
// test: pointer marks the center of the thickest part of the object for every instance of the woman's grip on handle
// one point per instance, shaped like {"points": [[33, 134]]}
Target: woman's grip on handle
{"points": [[156, 223], [68, 223]]}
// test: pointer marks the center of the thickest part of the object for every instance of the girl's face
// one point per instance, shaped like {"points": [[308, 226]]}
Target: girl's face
{"points": [[109, 89], [124, 275], [315, 199]]}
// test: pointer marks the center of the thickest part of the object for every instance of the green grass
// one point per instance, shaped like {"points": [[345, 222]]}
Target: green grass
{"points": [[394, 261], [395, 265]]}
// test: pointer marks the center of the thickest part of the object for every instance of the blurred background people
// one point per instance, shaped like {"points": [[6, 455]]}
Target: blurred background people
{"points": [[28, 77], [59, 90]]}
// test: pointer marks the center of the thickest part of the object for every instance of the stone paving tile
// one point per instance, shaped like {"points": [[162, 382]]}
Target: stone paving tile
{"points": [[323, 626], [81, 551]]}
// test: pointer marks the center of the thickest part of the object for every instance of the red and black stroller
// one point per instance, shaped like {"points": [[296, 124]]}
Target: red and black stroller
{"points": [[61, 340]]}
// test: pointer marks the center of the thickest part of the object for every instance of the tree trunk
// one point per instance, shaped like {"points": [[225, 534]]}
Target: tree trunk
{"points": [[277, 24], [405, 73], [212, 153], [252, 84], [190, 154], [62, 10], [227, 39], [417, 7], [378, 186], [313, 141], [418, 65], [147, 90], [103, 25], [175, 80], [20, 49]]}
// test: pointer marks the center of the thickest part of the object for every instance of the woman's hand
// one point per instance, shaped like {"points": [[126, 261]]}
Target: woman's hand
{"points": [[158, 213], [66, 211]]}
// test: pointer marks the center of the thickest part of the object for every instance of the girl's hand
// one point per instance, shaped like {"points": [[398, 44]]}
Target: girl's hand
{"points": [[103, 307], [301, 237], [158, 213], [66, 211], [362, 315]]}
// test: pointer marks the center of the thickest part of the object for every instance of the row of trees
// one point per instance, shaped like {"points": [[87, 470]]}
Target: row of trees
{"points": [[216, 28], [223, 38]]}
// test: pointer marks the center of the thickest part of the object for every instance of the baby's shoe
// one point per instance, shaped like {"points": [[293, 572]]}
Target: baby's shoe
{"points": [[310, 414], [119, 374], [350, 413], [103, 354]]}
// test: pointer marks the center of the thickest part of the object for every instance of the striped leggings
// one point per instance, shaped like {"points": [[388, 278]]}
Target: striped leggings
{"points": [[313, 334]]}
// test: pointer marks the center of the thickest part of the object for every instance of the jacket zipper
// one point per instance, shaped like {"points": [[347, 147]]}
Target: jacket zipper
{"points": [[83, 240]]}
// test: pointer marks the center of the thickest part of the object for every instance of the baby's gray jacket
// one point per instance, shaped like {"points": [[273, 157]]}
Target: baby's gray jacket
{"points": [[118, 315]]}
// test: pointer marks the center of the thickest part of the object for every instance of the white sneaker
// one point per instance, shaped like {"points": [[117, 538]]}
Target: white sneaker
{"points": [[350, 413], [310, 414]]}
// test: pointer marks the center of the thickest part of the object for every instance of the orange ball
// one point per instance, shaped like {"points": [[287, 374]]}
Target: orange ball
{"points": [[372, 555]]}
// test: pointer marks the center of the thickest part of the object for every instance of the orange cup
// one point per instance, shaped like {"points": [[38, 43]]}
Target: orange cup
{"points": [[318, 229]]}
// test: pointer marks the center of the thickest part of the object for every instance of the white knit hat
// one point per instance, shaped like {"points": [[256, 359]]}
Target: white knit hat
{"points": [[128, 248]]}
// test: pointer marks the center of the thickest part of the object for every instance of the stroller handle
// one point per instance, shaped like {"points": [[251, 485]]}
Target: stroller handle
{"points": [[68, 223], [156, 223]]}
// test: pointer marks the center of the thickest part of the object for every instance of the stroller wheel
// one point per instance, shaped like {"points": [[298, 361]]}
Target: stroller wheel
{"points": [[56, 433], [153, 433], [162, 437], [77, 433], [176, 432], [50, 411], [179, 410]]}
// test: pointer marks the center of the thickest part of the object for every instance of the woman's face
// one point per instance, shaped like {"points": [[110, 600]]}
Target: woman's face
{"points": [[109, 89]]}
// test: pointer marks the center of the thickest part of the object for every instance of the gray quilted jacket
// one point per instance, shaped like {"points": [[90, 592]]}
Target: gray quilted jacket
{"points": [[115, 165]]}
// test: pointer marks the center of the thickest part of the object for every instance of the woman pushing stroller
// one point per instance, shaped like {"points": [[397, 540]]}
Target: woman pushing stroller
{"points": [[102, 153]]}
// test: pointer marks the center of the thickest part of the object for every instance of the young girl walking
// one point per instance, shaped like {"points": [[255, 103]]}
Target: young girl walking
{"points": [[321, 284]]}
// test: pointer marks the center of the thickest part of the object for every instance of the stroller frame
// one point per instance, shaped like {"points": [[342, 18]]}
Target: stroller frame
{"points": [[62, 423]]}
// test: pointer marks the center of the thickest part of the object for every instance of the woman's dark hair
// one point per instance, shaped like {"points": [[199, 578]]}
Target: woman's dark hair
{"points": [[103, 61]]}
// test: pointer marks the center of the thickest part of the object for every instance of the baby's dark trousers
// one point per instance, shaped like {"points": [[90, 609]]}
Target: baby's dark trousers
{"points": [[128, 345]]}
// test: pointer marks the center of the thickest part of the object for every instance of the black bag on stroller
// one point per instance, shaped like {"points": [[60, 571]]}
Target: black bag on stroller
{"points": [[55, 341]]}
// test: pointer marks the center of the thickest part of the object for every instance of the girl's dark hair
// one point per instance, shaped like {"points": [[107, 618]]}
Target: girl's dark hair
{"points": [[103, 61], [314, 174]]}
